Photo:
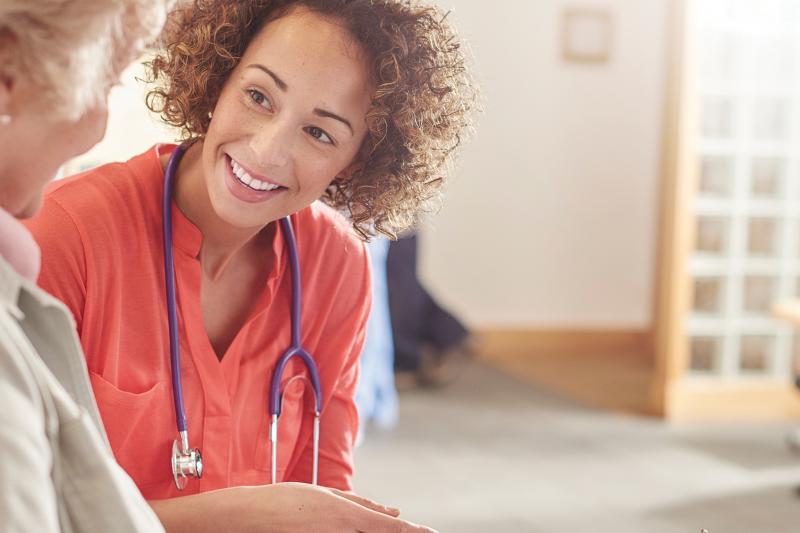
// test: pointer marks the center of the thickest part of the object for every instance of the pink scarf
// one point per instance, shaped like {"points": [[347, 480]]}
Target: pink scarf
{"points": [[18, 247]]}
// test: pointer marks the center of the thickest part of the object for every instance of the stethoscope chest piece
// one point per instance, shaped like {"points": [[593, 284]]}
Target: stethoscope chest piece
{"points": [[186, 463]]}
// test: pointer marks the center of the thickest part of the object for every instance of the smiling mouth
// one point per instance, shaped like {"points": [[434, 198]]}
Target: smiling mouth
{"points": [[249, 181]]}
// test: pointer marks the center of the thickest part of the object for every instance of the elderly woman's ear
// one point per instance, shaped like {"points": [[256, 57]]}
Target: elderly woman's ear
{"points": [[6, 85], [7, 78]]}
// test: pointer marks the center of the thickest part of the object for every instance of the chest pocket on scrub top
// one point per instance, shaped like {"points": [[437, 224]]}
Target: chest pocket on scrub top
{"points": [[140, 427], [294, 414]]}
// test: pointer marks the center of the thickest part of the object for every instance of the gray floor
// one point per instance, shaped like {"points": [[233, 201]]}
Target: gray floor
{"points": [[491, 454]]}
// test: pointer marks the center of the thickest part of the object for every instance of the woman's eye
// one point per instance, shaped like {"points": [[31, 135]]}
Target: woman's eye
{"points": [[259, 99], [319, 134]]}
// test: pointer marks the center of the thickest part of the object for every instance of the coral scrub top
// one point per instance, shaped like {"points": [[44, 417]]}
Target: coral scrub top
{"points": [[100, 234]]}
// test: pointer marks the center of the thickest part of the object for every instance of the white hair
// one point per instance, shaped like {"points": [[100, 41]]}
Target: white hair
{"points": [[74, 50]]}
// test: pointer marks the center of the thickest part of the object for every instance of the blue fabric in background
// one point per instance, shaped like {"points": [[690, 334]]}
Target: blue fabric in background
{"points": [[376, 396]]}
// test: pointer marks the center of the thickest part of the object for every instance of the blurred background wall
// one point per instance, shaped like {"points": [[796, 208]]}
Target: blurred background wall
{"points": [[553, 211]]}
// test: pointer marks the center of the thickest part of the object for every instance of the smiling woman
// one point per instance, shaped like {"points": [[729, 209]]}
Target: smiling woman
{"points": [[360, 103], [290, 117], [422, 96]]}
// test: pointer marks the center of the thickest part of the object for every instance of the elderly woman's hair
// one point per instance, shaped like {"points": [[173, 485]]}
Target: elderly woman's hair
{"points": [[421, 105], [74, 50]]}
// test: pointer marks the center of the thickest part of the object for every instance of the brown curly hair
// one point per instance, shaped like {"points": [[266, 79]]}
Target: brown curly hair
{"points": [[421, 106]]}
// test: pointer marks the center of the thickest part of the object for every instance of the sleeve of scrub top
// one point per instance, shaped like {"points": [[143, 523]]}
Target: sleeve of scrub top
{"points": [[63, 272], [27, 497], [339, 420]]}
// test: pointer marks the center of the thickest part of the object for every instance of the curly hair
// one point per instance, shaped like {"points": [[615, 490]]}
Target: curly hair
{"points": [[421, 107]]}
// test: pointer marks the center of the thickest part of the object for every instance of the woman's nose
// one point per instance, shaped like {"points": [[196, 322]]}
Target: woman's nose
{"points": [[272, 144]]}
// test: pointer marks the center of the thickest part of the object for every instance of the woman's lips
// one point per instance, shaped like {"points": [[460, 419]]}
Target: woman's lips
{"points": [[246, 187]]}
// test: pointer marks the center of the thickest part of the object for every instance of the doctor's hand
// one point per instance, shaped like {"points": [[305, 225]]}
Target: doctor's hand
{"points": [[324, 510], [280, 508]]}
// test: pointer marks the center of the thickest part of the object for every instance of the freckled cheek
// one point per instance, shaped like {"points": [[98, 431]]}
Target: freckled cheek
{"points": [[225, 127], [230, 119], [315, 178]]}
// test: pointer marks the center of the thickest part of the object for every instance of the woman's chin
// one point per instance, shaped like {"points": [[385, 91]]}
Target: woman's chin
{"points": [[236, 217]]}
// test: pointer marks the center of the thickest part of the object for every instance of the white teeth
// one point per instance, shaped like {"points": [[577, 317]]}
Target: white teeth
{"points": [[250, 181]]}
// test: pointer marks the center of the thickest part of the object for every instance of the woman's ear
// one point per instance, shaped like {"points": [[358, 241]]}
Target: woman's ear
{"points": [[349, 171]]}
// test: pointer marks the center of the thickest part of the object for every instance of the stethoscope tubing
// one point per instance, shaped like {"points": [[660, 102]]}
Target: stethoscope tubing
{"points": [[296, 348], [184, 455], [169, 278]]}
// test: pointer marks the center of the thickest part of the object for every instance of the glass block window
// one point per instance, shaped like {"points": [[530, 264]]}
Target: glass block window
{"points": [[759, 293], [709, 294], [713, 233], [704, 353], [762, 236], [719, 117], [746, 254], [771, 118], [767, 178], [756, 353]]}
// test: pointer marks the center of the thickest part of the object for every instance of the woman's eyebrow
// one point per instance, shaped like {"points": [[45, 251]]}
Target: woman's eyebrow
{"points": [[284, 87], [327, 114], [278, 81]]}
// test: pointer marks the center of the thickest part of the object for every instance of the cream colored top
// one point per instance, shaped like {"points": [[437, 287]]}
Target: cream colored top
{"points": [[57, 471]]}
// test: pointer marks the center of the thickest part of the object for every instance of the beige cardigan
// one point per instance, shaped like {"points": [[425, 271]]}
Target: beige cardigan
{"points": [[57, 471]]}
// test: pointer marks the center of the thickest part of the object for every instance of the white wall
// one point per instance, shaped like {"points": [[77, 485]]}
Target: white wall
{"points": [[551, 220]]}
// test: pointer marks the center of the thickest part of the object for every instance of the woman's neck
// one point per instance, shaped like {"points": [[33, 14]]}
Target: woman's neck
{"points": [[222, 242]]}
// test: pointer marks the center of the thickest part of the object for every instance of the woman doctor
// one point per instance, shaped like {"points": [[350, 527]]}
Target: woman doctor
{"points": [[58, 60], [360, 102]]}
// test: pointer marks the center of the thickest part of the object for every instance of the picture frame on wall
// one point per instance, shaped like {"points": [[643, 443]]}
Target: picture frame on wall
{"points": [[587, 35]]}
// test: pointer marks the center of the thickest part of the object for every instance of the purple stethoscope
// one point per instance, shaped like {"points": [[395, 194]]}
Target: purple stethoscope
{"points": [[187, 462]]}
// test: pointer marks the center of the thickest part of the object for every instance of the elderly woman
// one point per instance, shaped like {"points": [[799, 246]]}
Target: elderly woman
{"points": [[58, 60]]}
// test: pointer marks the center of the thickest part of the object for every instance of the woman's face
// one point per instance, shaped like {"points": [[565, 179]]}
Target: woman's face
{"points": [[290, 119], [35, 145]]}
